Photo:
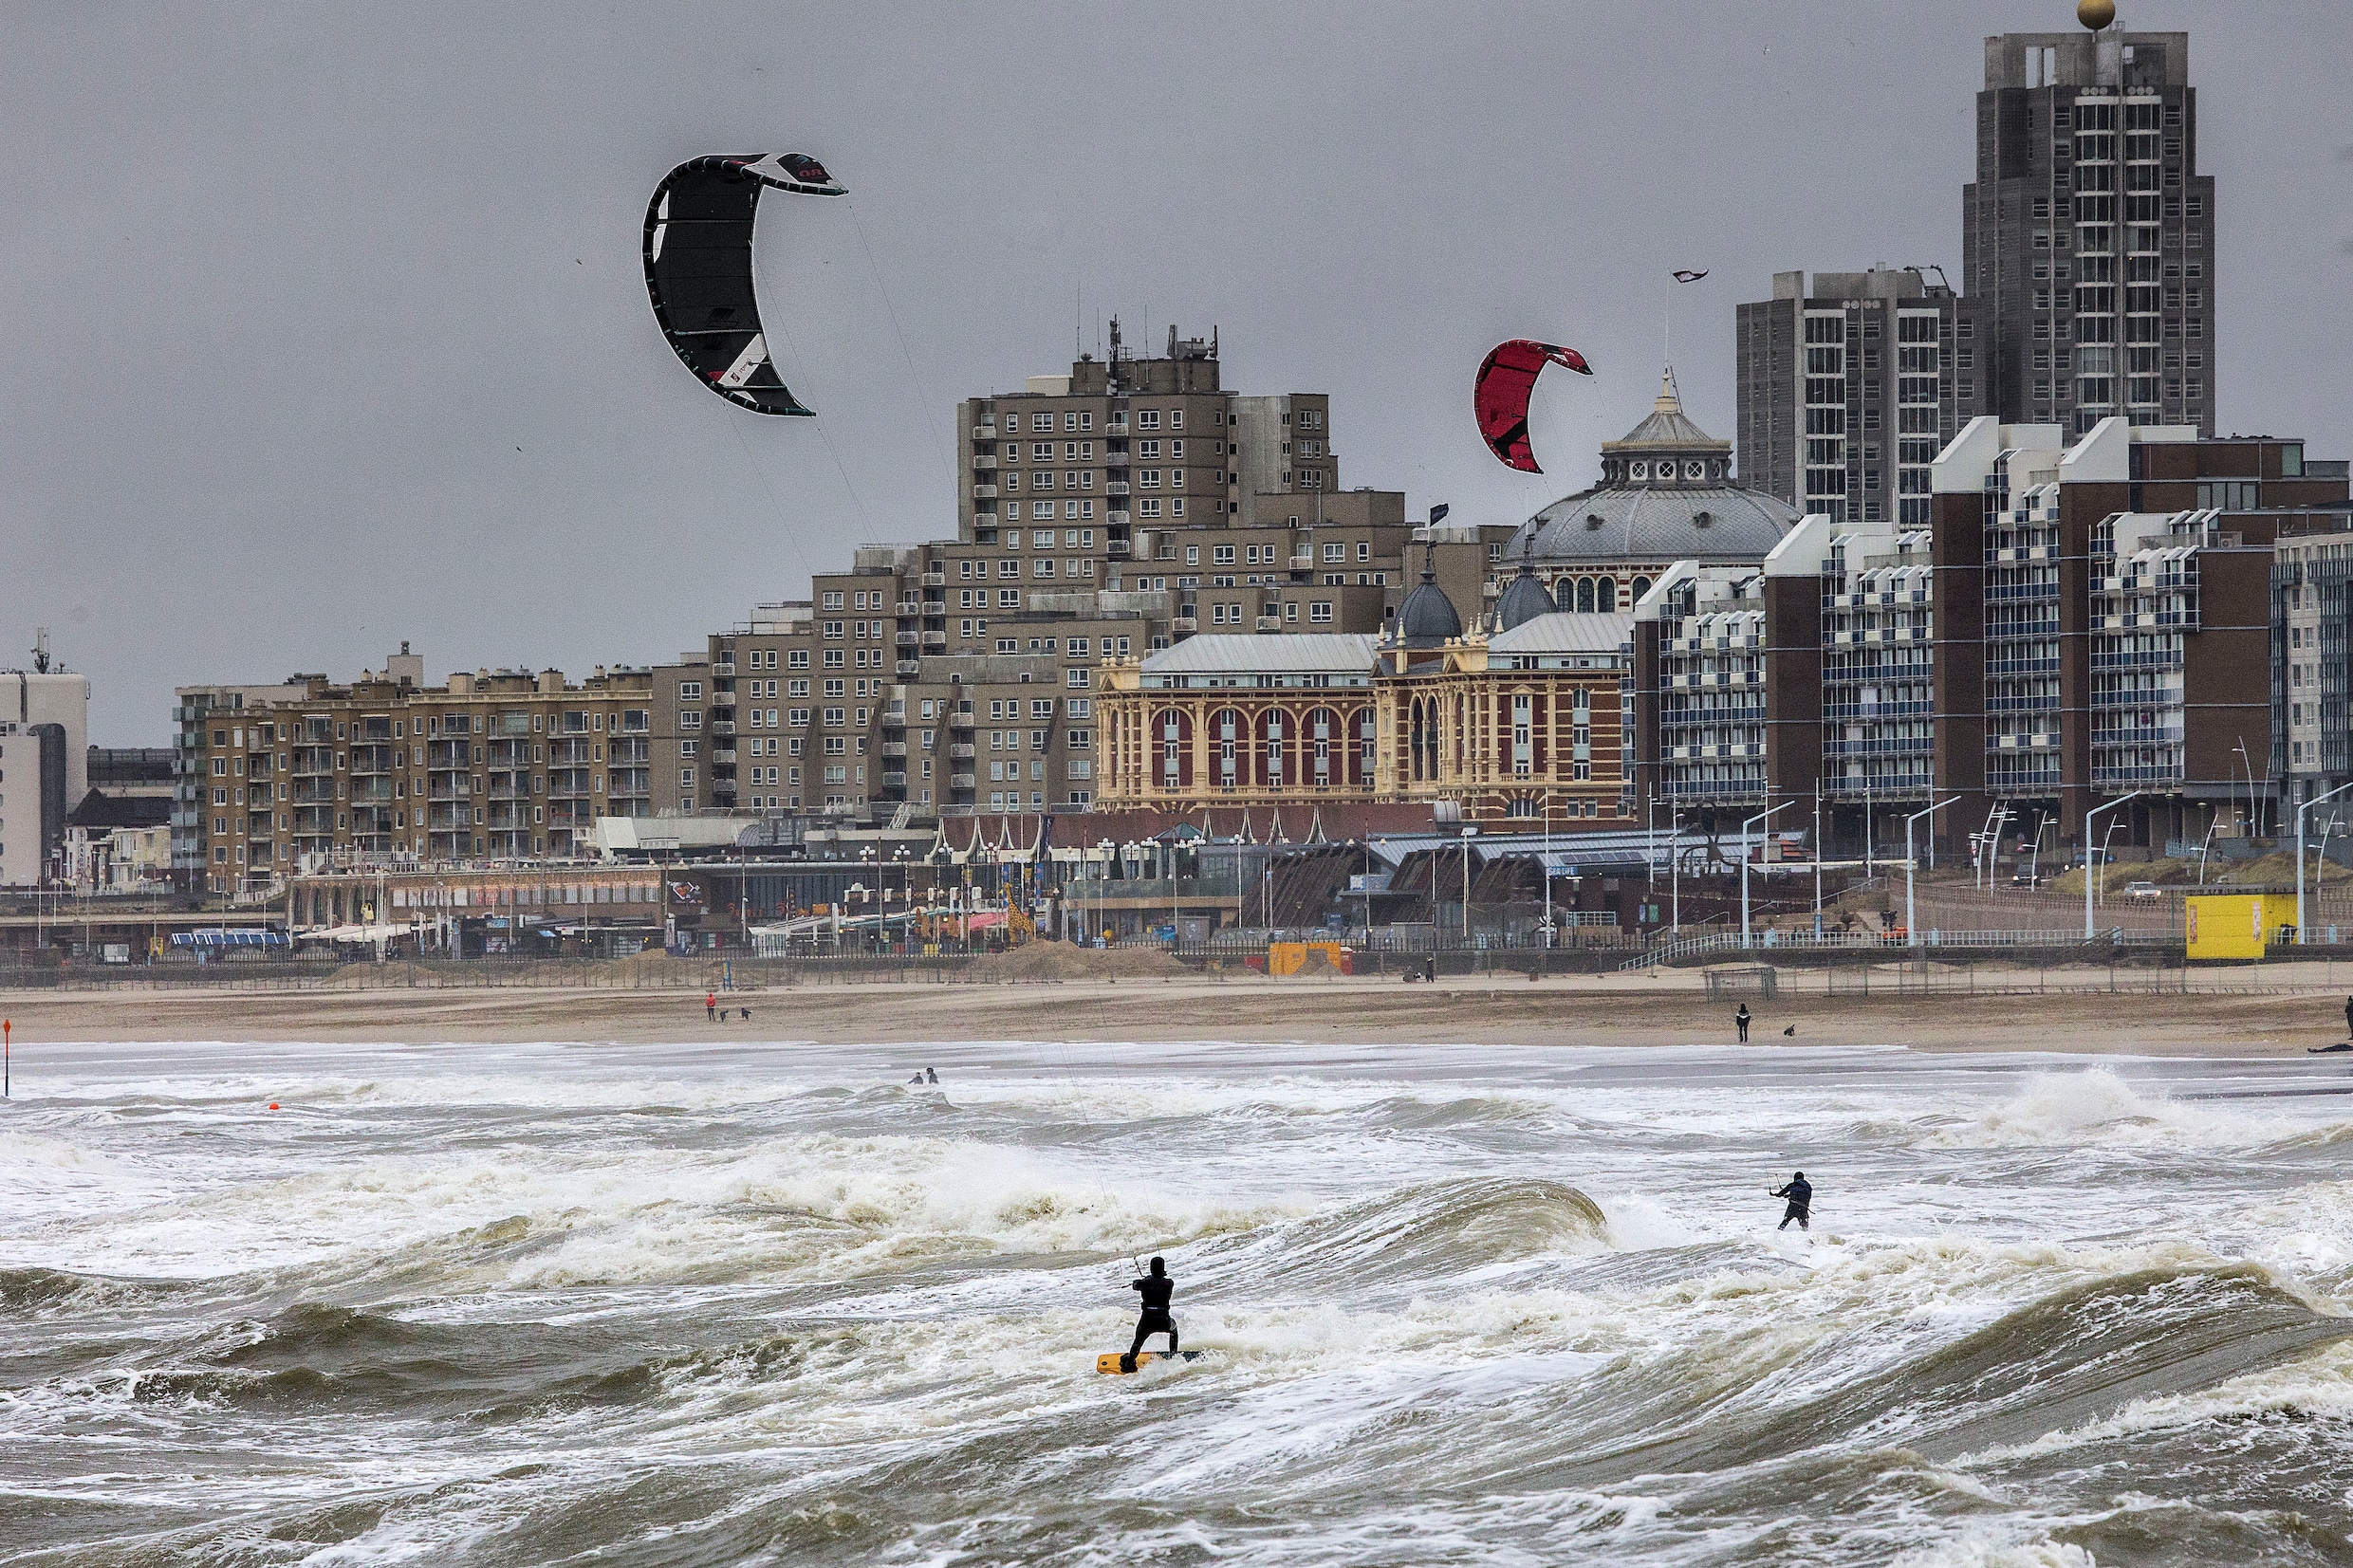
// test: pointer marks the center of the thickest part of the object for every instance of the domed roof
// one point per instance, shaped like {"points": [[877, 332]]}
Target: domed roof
{"points": [[1525, 598], [1427, 619], [1667, 493]]}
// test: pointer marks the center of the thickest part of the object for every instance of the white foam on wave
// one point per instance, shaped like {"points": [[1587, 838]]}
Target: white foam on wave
{"points": [[1977, 1553], [2097, 1106], [2316, 1384], [835, 1205]]}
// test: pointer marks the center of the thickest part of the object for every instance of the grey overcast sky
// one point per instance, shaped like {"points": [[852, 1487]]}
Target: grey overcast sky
{"points": [[326, 328]]}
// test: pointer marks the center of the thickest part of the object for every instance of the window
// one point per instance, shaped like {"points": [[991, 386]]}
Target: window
{"points": [[1320, 612]]}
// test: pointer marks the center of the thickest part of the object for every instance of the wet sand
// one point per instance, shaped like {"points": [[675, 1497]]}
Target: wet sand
{"points": [[2276, 1009]]}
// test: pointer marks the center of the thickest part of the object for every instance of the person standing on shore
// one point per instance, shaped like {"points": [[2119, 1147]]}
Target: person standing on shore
{"points": [[2348, 1018], [711, 1006], [1741, 1020]]}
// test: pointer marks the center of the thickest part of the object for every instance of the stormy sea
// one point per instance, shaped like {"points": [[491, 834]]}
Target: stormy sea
{"points": [[663, 1307]]}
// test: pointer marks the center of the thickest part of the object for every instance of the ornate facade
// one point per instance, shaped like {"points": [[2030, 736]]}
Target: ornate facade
{"points": [[1528, 725], [1240, 721]]}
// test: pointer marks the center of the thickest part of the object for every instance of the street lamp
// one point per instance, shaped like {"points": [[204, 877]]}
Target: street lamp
{"points": [[2300, 815], [2240, 750], [1911, 925], [1760, 816], [2088, 851]]}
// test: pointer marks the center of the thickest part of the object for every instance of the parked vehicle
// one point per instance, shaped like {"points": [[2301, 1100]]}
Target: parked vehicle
{"points": [[2144, 891]]}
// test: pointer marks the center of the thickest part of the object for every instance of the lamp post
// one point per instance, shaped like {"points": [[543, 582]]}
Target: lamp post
{"points": [[2320, 861], [2300, 816], [1762, 816], [2249, 821], [2087, 852], [1466, 884], [1675, 874], [1911, 925], [1817, 859]]}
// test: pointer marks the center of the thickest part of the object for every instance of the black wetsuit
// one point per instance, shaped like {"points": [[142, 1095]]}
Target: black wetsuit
{"points": [[1741, 1018], [1157, 1289], [1801, 1196]]}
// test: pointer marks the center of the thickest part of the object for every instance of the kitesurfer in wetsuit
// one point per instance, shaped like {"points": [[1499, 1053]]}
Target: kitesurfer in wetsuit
{"points": [[1800, 1195], [1156, 1287]]}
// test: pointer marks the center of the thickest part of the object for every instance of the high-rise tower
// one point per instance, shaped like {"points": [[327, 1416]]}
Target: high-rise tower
{"points": [[2087, 239]]}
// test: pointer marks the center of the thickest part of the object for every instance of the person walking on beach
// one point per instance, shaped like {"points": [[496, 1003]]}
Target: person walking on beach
{"points": [[1800, 1195], [1156, 1287], [711, 1006], [1741, 1019], [2348, 1018]]}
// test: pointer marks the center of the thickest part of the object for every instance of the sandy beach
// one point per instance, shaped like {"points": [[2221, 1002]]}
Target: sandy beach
{"points": [[2278, 1009]]}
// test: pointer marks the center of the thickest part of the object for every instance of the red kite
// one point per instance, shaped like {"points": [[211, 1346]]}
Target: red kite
{"points": [[1499, 395]]}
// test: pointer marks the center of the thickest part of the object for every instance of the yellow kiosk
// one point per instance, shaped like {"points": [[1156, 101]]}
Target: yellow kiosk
{"points": [[2227, 926]]}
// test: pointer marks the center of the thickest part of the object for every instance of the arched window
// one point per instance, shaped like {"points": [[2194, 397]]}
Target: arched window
{"points": [[1606, 594], [1231, 738], [1585, 593], [1173, 730], [1367, 740], [1642, 587], [1564, 593], [1272, 733], [1415, 742], [1323, 736]]}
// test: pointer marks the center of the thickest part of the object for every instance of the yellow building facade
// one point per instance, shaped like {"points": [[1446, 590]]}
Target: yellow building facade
{"points": [[1528, 725], [1240, 721]]}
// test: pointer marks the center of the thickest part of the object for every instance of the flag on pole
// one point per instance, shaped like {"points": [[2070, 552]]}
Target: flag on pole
{"points": [[1682, 276], [1437, 513]]}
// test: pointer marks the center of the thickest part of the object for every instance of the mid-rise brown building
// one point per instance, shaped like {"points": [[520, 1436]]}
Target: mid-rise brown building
{"points": [[512, 765]]}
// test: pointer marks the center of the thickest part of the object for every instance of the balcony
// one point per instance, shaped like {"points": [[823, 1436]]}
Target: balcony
{"points": [[725, 666], [446, 788], [723, 726], [1117, 517], [935, 580], [307, 790], [905, 639], [961, 719], [984, 492], [894, 718], [1303, 563], [960, 780], [1184, 623], [1115, 487], [984, 432], [961, 752], [910, 668], [371, 789], [894, 750], [722, 753], [1119, 549], [935, 642], [447, 818], [894, 780], [985, 462]]}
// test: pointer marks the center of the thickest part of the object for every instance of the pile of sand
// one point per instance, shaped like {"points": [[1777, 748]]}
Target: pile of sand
{"points": [[1062, 961]]}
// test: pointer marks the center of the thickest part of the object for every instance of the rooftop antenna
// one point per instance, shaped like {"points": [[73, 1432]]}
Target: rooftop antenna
{"points": [[41, 650]]}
